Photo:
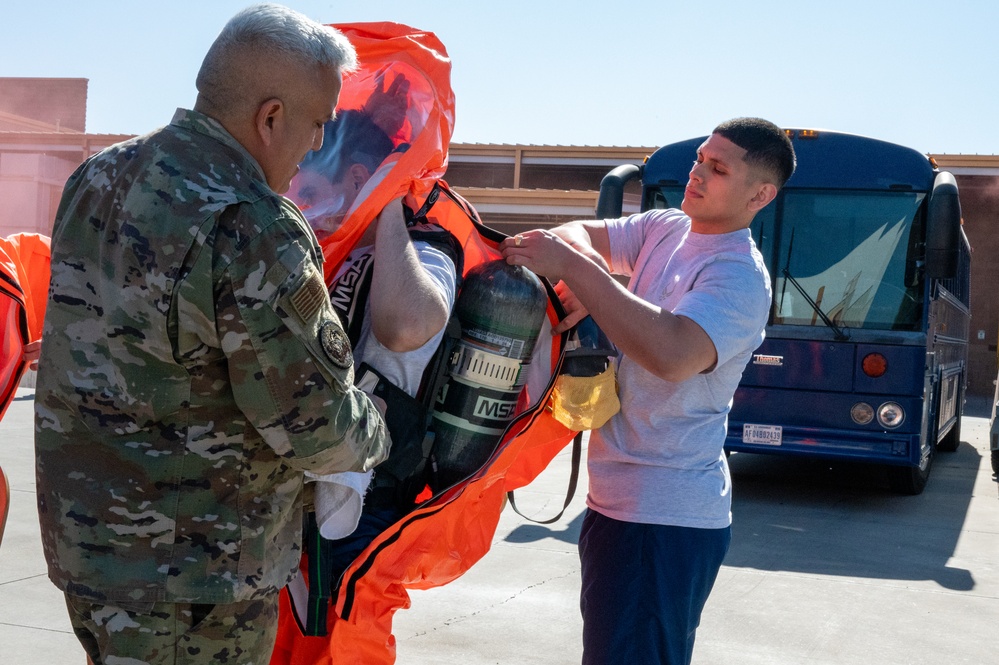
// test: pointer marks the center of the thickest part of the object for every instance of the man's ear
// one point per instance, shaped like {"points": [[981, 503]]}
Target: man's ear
{"points": [[358, 174], [270, 115], [765, 193]]}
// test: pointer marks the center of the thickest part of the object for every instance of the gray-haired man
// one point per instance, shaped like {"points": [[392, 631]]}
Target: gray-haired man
{"points": [[192, 368]]}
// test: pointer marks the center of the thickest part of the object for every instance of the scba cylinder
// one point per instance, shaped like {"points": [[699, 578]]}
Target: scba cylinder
{"points": [[501, 309]]}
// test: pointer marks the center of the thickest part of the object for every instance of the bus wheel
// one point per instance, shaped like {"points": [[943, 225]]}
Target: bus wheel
{"points": [[911, 480], [951, 439], [995, 462]]}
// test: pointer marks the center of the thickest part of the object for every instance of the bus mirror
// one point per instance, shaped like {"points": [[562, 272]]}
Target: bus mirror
{"points": [[610, 203], [943, 228]]}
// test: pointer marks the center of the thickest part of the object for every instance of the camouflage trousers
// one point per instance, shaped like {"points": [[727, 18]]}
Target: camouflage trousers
{"points": [[175, 633]]}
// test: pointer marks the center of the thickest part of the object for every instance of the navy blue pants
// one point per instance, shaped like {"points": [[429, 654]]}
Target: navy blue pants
{"points": [[644, 586]]}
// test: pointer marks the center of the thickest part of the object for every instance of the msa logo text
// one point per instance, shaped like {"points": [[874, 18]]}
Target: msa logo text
{"points": [[494, 408]]}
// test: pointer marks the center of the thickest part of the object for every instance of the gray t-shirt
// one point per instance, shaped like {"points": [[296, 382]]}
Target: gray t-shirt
{"points": [[660, 459]]}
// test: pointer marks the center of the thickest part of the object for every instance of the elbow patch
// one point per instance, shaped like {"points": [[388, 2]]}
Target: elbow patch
{"points": [[335, 344]]}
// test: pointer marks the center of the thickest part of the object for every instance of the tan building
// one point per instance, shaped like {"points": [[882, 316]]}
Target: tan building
{"points": [[525, 186], [42, 141], [513, 187]]}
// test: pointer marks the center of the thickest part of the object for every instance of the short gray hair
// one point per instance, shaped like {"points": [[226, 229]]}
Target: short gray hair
{"points": [[274, 30]]}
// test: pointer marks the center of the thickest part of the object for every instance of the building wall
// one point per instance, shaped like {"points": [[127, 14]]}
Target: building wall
{"points": [[515, 188], [60, 102], [30, 187], [585, 178], [980, 210], [34, 167]]}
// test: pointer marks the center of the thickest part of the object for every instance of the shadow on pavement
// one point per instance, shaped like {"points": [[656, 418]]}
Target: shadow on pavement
{"points": [[835, 518], [532, 533]]}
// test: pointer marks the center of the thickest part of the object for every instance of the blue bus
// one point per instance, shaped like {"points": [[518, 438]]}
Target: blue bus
{"points": [[866, 350]]}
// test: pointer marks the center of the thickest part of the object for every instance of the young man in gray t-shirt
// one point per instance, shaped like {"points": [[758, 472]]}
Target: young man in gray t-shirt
{"points": [[658, 522]]}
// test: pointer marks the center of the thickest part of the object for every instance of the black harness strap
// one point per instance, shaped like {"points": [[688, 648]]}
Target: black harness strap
{"points": [[349, 296], [577, 450]]}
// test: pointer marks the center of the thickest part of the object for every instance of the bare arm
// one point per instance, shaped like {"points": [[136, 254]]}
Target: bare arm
{"points": [[589, 238], [674, 348], [407, 308], [31, 352]]}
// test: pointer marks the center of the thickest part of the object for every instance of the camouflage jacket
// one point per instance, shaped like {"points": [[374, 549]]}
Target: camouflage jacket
{"points": [[192, 369]]}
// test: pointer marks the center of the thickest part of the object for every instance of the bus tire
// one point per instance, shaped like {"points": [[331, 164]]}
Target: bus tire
{"points": [[911, 480], [951, 439], [995, 462]]}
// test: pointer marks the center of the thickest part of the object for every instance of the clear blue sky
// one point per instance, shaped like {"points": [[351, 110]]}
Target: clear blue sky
{"points": [[583, 72]]}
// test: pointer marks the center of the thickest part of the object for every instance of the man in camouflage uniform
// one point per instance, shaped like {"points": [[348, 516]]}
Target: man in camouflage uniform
{"points": [[192, 368]]}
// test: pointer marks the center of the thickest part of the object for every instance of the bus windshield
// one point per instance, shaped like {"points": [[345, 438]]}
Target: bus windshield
{"points": [[846, 259]]}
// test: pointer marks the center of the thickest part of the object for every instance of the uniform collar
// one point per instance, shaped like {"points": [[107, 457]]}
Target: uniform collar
{"points": [[199, 123]]}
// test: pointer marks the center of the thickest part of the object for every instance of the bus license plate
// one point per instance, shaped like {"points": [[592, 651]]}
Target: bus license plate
{"points": [[766, 435]]}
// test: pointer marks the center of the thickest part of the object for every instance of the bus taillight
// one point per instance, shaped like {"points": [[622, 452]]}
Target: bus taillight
{"points": [[874, 365]]}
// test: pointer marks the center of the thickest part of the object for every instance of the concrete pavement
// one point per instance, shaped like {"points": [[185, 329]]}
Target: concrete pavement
{"points": [[827, 567]]}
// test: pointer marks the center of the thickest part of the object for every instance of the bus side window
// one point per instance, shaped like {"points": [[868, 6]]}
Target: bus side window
{"points": [[661, 198], [654, 200]]}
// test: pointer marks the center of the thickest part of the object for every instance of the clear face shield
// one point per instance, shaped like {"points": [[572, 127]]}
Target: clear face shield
{"points": [[327, 217], [359, 146], [324, 204]]}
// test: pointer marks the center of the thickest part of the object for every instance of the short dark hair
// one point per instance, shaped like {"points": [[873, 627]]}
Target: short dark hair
{"points": [[350, 138], [767, 146]]}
